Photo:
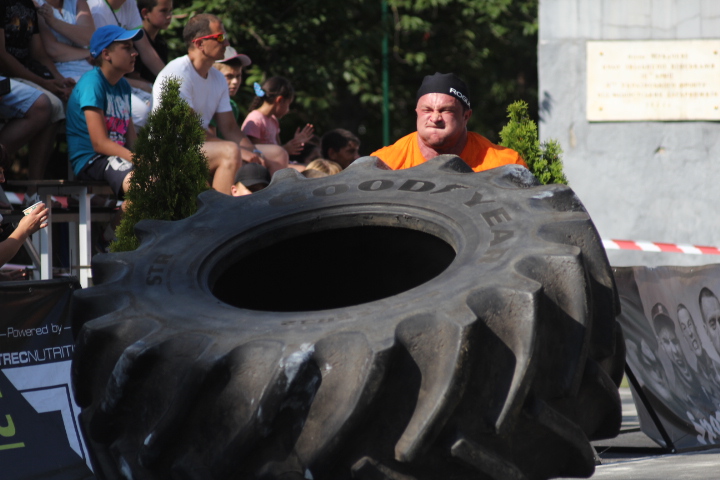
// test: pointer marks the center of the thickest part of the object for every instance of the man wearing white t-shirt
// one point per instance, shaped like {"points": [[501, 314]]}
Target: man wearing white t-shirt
{"points": [[125, 14], [206, 91]]}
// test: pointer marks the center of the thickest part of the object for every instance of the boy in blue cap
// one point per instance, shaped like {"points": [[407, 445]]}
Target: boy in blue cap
{"points": [[100, 130]]}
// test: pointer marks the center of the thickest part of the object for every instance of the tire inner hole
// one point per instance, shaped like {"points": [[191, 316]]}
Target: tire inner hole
{"points": [[333, 269]]}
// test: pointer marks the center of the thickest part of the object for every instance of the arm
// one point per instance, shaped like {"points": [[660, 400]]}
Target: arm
{"points": [[149, 56], [231, 131], [28, 225], [11, 67], [139, 83], [296, 145], [79, 33], [58, 51], [99, 138], [131, 136], [61, 52], [37, 50]]}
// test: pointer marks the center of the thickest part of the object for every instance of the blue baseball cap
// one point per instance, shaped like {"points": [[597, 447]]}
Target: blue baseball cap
{"points": [[104, 36]]}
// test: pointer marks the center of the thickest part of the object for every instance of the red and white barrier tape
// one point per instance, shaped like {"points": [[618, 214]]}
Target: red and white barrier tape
{"points": [[659, 247]]}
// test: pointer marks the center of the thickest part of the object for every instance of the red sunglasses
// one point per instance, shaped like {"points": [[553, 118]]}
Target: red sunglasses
{"points": [[220, 37]]}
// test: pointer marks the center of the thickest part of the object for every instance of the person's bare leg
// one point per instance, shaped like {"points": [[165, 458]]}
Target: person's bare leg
{"points": [[40, 149], [19, 131], [276, 157], [223, 161]]}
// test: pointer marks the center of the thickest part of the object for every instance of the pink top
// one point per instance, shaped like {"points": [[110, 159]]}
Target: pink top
{"points": [[257, 125]]}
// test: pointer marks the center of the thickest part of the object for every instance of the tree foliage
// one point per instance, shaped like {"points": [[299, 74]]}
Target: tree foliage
{"points": [[170, 167], [332, 54], [521, 134]]}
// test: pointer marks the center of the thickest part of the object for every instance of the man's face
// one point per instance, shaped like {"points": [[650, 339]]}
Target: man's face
{"points": [[687, 324], [346, 155], [669, 342], [711, 315], [212, 47], [441, 121]]}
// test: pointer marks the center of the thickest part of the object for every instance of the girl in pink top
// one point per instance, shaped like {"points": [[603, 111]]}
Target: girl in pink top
{"points": [[272, 101]]}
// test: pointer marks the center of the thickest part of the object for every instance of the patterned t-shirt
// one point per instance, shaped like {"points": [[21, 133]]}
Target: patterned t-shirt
{"points": [[93, 90]]}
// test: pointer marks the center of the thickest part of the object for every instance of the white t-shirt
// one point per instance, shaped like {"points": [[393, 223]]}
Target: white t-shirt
{"points": [[206, 96], [127, 16]]}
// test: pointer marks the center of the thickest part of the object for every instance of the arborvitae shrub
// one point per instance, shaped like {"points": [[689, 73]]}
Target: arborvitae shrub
{"points": [[170, 167], [521, 134]]}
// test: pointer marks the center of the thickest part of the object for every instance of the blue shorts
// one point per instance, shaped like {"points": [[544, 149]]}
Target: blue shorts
{"points": [[112, 170], [16, 103]]}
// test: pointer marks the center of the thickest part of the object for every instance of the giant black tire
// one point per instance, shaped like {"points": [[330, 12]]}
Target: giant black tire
{"points": [[429, 323]]}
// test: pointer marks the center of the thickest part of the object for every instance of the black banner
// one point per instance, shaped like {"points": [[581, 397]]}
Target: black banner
{"points": [[671, 321], [39, 428]]}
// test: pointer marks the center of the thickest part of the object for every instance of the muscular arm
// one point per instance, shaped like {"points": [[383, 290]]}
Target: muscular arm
{"points": [[99, 138]]}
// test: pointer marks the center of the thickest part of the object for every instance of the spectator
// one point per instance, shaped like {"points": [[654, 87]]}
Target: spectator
{"points": [[231, 67], [325, 166], [250, 178], [340, 146], [28, 225], [271, 103], [100, 130], [28, 112], [156, 15], [65, 28], [24, 59], [125, 14], [443, 110], [206, 91]]}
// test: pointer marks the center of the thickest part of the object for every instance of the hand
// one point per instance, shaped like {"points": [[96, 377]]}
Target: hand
{"points": [[295, 146], [12, 275], [46, 11], [305, 134], [33, 221], [57, 87], [251, 157]]}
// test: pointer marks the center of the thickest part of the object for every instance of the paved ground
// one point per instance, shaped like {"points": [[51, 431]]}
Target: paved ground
{"points": [[703, 465]]}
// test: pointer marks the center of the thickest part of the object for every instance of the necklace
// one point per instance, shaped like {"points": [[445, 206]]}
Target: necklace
{"points": [[113, 12]]}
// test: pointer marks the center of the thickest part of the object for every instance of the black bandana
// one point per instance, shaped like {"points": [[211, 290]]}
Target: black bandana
{"points": [[447, 83]]}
